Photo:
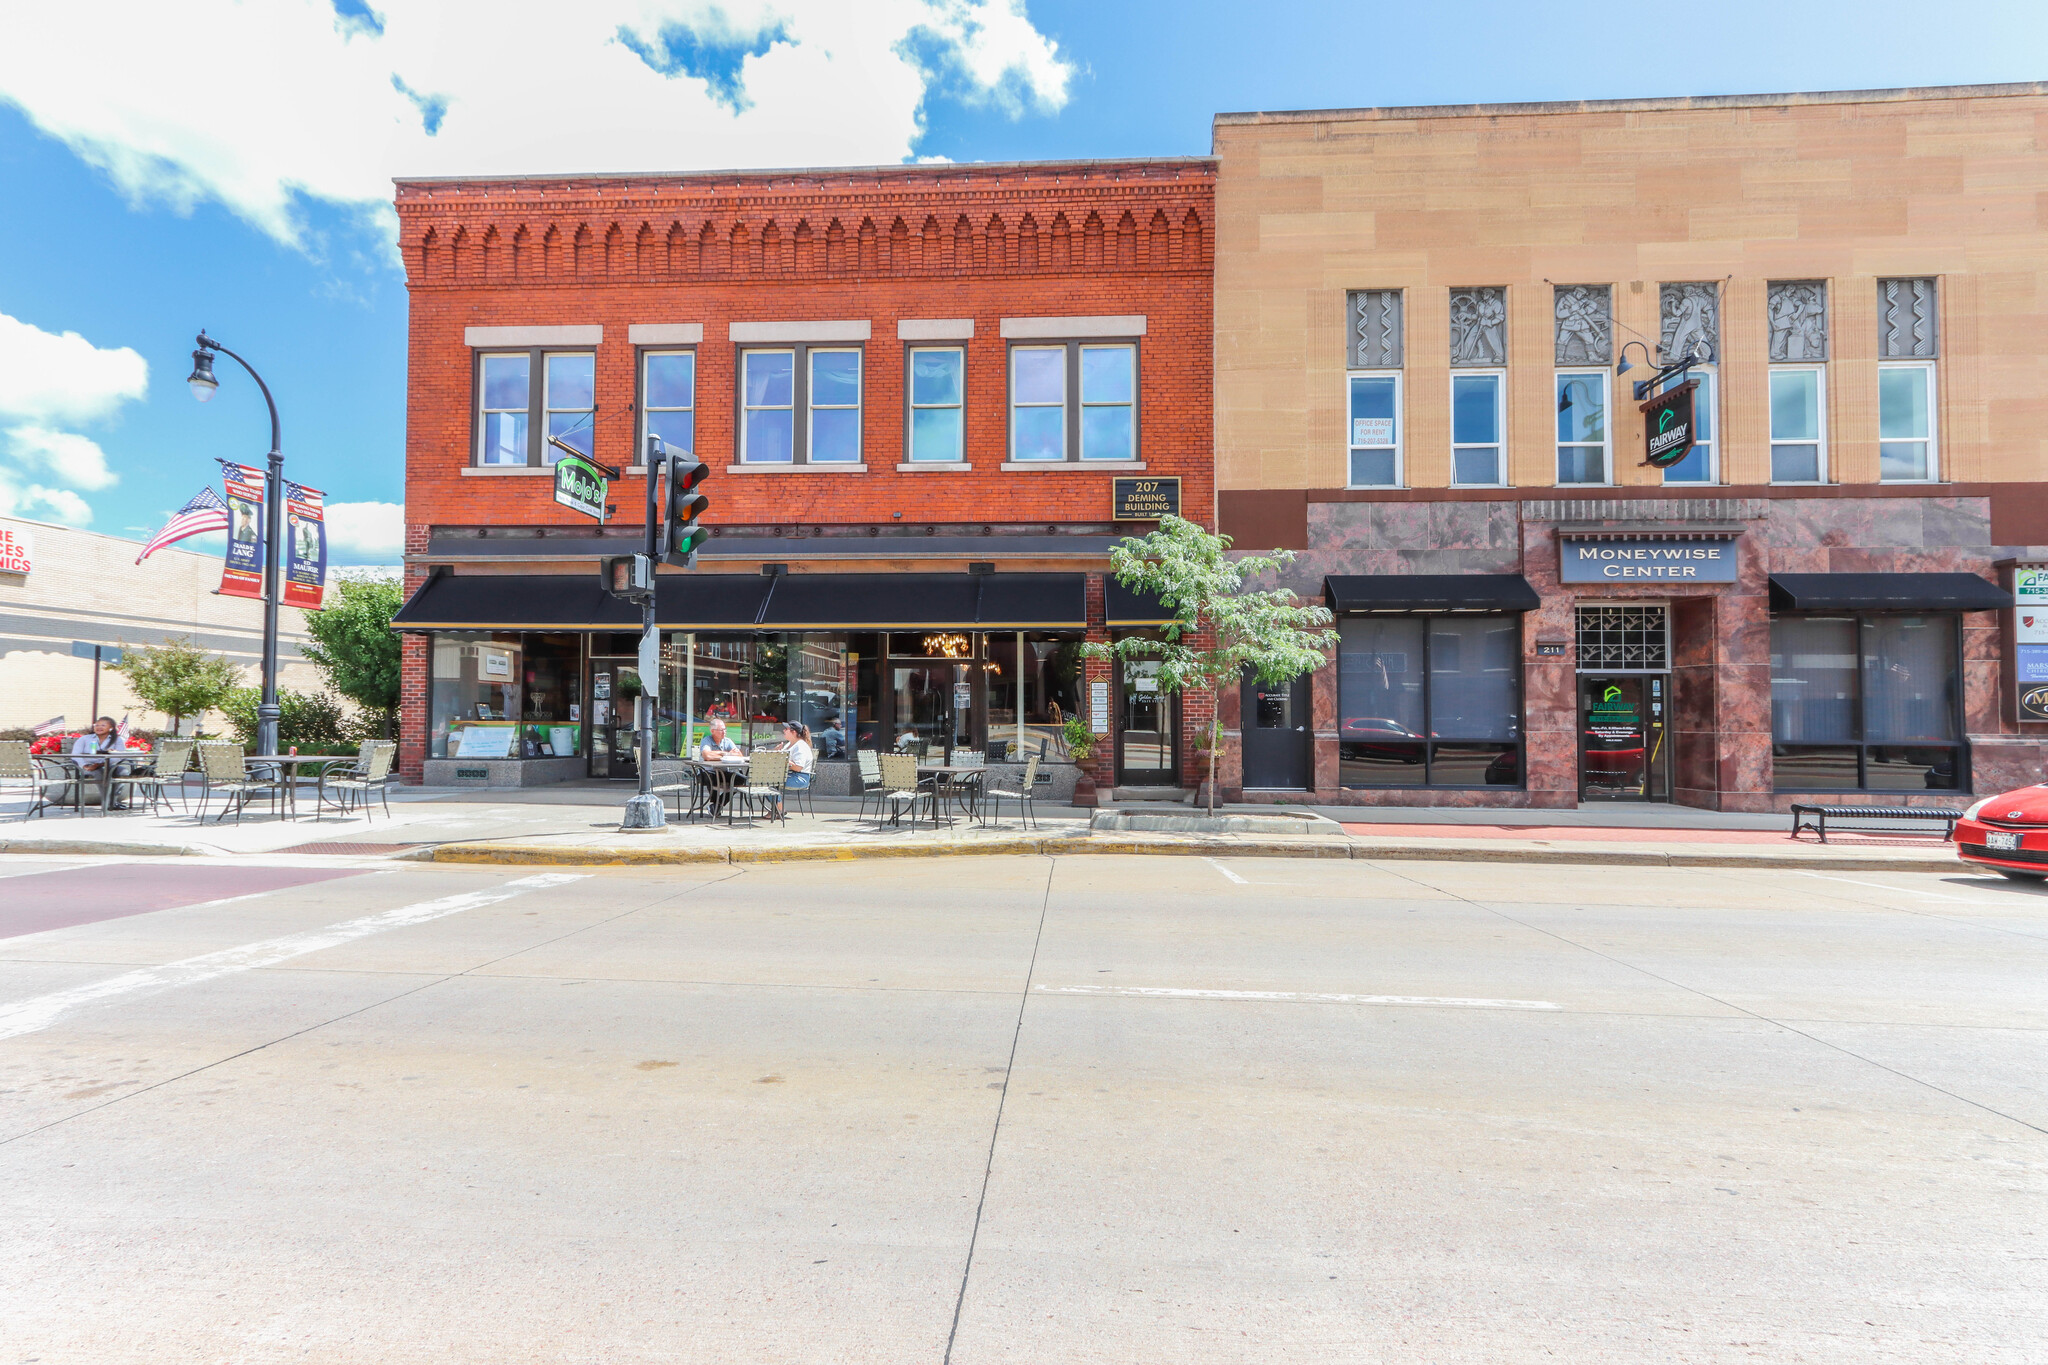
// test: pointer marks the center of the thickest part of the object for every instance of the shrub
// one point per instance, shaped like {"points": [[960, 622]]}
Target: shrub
{"points": [[305, 718]]}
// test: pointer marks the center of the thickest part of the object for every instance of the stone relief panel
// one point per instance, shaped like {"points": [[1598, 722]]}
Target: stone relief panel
{"points": [[1692, 322], [1376, 329], [1799, 319], [1585, 324], [1479, 326], [1905, 319]]}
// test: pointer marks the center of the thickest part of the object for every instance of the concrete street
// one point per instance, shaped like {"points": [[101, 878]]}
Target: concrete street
{"points": [[1103, 1109]]}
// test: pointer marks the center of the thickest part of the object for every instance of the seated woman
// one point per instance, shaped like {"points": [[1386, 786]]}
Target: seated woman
{"points": [[803, 759]]}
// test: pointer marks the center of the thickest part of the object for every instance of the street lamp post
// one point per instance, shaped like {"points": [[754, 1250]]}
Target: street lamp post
{"points": [[203, 384]]}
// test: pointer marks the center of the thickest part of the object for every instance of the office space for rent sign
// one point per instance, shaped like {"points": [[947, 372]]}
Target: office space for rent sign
{"points": [[1638, 561]]}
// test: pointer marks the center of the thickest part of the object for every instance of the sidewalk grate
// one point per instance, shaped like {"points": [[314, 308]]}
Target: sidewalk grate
{"points": [[348, 849]]}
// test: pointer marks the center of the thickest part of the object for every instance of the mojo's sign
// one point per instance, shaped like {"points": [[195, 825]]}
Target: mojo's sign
{"points": [[583, 484], [1638, 561], [1668, 425]]}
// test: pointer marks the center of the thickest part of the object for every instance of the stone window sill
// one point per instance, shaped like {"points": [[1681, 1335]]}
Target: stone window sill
{"points": [[935, 467], [488, 471], [1071, 466], [796, 469]]}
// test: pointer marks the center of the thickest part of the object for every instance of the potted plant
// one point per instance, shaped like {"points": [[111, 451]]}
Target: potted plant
{"points": [[1081, 747]]}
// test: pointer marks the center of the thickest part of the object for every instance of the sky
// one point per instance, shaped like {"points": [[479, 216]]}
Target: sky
{"points": [[226, 164]]}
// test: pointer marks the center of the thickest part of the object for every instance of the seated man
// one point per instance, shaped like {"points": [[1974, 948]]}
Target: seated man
{"points": [[716, 746]]}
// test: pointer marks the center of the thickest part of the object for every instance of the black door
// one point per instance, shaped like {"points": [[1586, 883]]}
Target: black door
{"points": [[1146, 751], [1622, 756], [1278, 752], [614, 683]]}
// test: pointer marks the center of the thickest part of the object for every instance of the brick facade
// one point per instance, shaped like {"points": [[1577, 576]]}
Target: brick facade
{"points": [[1096, 239]]}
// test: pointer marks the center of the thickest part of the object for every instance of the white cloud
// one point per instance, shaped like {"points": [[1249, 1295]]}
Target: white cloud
{"points": [[48, 377], [67, 456], [373, 530], [255, 105], [18, 499]]}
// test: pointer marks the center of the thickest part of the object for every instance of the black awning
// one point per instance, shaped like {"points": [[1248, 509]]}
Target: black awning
{"points": [[1133, 607], [1033, 601], [1429, 592], [1885, 592], [514, 602], [745, 602]]}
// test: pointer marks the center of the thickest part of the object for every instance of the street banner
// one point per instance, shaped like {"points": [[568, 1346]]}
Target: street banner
{"points": [[305, 570], [241, 572]]}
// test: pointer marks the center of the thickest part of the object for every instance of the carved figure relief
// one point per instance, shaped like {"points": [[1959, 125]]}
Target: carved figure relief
{"points": [[1905, 319], [1585, 324], [1479, 319], [1799, 319], [1376, 329], [1692, 322]]}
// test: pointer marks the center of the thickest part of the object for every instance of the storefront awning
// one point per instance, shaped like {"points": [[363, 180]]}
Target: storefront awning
{"points": [[1429, 592], [1885, 592], [1131, 607], [746, 602]]}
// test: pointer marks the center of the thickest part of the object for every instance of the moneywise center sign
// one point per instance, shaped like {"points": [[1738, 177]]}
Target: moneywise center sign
{"points": [[1641, 561]]}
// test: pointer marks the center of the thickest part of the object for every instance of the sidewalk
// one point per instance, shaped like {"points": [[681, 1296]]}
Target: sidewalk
{"points": [[579, 826]]}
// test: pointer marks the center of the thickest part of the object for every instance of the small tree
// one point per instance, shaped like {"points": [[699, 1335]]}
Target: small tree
{"points": [[1272, 633], [303, 717], [177, 678], [354, 646]]}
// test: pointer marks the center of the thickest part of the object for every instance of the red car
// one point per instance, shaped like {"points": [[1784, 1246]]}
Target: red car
{"points": [[2008, 834]]}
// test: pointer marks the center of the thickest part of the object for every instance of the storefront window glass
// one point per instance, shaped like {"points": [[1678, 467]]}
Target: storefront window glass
{"points": [[473, 701], [1429, 701], [552, 705], [1867, 703]]}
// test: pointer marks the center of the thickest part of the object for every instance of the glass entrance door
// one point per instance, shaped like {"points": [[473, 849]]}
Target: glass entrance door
{"points": [[1145, 748], [614, 683], [1622, 753]]}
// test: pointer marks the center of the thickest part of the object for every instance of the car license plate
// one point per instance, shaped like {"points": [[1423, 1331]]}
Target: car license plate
{"points": [[1994, 839]]}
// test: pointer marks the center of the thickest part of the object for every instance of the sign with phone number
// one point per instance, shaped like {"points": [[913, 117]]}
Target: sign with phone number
{"points": [[1144, 499]]}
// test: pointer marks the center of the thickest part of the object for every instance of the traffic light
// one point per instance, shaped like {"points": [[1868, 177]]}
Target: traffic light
{"points": [[680, 534]]}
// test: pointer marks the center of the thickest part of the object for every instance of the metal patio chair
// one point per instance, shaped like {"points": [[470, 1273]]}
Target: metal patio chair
{"points": [[167, 767], [902, 789], [371, 773], [1023, 796], [225, 768], [766, 772]]}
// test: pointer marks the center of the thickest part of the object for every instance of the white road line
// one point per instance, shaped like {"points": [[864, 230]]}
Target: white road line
{"points": [[1301, 997], [29, 1016], [1226, 871], [1897, 890]]}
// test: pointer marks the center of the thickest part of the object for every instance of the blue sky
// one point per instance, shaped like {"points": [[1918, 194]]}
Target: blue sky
{"points": [[136, 210]]}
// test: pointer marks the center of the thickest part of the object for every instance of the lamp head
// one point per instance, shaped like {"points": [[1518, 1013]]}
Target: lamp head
{"points": [[1624, 365], [201, 379]]}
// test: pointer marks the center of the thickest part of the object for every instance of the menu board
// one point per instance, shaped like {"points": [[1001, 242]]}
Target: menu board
{"points": [[486, 741]]}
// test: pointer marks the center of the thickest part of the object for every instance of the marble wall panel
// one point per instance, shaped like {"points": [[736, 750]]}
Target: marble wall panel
{"points": [[1799, 560], [1964, 523], [1743, 699], [2006, 765], [1982, 636], [1983, 704], [1744, 628], [1693, 640], [1323, 700]]}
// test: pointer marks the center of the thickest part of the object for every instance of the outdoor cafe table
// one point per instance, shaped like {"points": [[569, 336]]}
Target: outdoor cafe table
{"points": [[104, 769], [720, 777], [962, 784], [291, 780]]}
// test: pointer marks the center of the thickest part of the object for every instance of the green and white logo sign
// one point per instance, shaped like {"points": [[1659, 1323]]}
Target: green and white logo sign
{"points": [[582, 485], [1668, 430]]}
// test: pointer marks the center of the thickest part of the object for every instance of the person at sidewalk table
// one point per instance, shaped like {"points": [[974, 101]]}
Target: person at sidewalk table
{"points": [[93, 747], [716, 746], [796, 742]]}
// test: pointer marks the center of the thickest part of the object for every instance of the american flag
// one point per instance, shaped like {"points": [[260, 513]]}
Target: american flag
{"points": [[206, 512]]}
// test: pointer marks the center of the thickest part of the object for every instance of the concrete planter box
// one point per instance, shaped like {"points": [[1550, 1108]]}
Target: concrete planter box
{"points": [[502, 772], [1166, 821]]}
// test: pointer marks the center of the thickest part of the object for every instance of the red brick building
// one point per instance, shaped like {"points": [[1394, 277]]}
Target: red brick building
{"points": [[916, 388]]}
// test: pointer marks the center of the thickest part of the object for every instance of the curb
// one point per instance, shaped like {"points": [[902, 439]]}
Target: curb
{"points": [[88, 846], [602, 855]]}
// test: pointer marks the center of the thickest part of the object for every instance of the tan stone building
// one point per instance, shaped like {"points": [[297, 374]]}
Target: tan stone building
{"points": [[1429, 326], [82, 586]]}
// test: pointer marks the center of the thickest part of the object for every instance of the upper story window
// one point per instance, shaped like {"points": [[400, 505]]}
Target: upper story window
{"points": [[515, 415], [834, 393], [1478, 422], [1799, 448], [938, 395], [1375, 418], [800, 404], [1699, 465], [1907, 344], [668, 400], [1582, 427], [767, 407], [1101, 425]]}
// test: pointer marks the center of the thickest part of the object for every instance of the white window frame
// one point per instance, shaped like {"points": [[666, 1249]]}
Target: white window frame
{"points": [[1820, 400], [647, 409], [1066, 452], [1599, 379], [812, 406], [795, 378], [913, 407], [548, 454], [1500, 426], [1129, 405], [1711, 383], [1400, 452], [483, 414], [1933, 438]]}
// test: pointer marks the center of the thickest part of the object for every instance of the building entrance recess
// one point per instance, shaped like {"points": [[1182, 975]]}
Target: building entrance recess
{"points": [[1624, 654]]}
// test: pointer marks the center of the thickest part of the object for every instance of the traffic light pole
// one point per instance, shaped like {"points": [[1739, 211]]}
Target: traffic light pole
{"points": [[644, 810]]}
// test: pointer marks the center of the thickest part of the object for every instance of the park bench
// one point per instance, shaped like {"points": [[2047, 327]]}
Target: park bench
{"points": [[1815, 818]]}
